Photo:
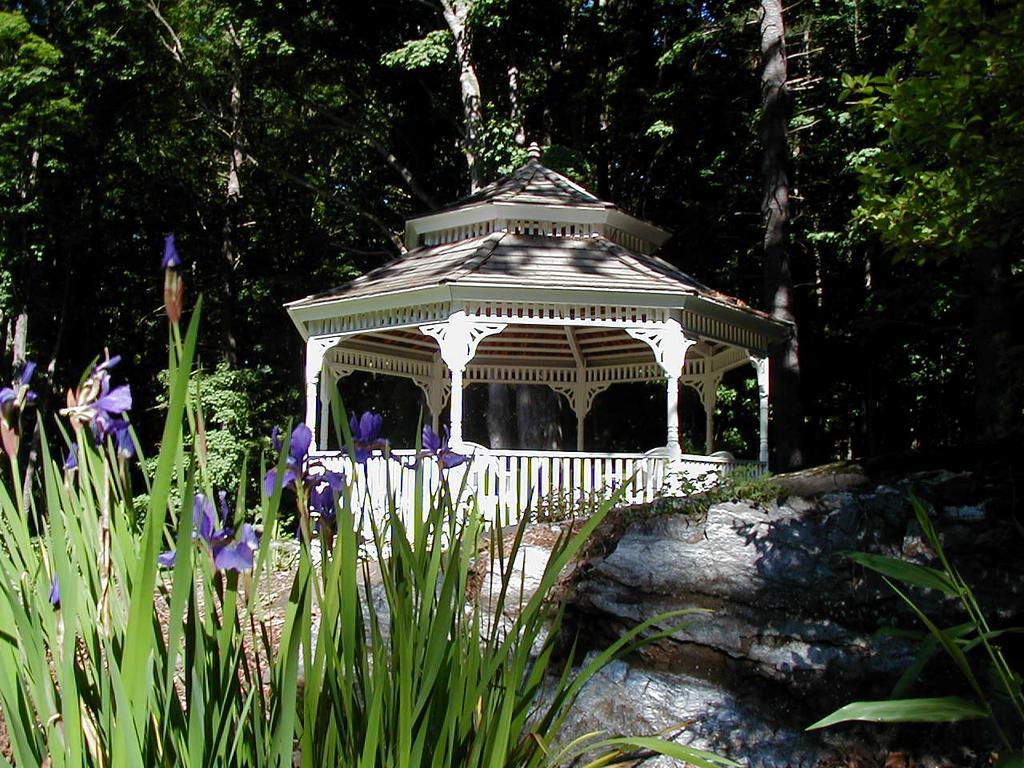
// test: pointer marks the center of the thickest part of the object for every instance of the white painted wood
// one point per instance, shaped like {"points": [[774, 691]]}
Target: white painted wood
{"points": [[474, 220], [458, 339], [761, 365], [669, 344], [324, 424], [504, 484]]}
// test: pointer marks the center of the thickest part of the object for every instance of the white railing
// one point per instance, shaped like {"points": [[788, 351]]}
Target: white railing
{"points": [[504, 483]]}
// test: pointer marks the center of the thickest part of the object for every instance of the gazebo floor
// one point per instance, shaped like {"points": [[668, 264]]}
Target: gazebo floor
{"points": [[506, 483]]}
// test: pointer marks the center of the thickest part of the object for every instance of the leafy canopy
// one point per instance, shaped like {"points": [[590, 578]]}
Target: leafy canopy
{"points": [[945, 179]]}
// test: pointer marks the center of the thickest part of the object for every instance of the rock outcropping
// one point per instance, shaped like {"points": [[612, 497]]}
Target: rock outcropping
{"points": [[790, 631]]}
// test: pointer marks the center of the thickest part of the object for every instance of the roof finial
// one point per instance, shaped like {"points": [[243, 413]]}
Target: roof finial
{"points": [[534, 151]]}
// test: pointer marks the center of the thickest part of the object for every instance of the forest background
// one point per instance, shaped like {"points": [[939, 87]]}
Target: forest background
{"points": [[875, 158]]}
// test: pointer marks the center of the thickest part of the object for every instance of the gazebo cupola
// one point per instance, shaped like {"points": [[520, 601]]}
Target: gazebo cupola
{"points": [[534, 201], [532, 280]]}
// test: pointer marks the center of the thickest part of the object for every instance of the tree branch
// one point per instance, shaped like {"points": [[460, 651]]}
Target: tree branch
{"points": [[391, 236], [175, 47], [389, 157]]}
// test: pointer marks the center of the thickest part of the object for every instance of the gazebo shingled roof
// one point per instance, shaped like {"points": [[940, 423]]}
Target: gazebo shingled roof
{"points": [[505, 260], [533, 184], [539, 281]]}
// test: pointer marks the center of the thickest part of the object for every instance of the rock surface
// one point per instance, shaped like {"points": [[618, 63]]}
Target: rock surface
{"points": [[790, 632]]}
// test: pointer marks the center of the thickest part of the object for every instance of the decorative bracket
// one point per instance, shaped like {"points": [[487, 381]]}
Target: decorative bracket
{"points": [[761, 367], [580, 394], [436, 393], [707, 388], [668, 343], [316, 349], [458, 338], [340, 371]]}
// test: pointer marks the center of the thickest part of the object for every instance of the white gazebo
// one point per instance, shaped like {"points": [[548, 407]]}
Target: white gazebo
{"points": [[534, 280]]}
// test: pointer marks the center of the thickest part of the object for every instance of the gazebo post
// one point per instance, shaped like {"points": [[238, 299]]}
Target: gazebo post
{"points": [[669, 344], [324, 425], [709, 422], [457, 339], [672, 413], [435, 396], [456, 410], [761, 366], [709, 398], [316, 349]]}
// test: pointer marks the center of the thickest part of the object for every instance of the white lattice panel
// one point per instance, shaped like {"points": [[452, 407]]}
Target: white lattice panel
{"points": [[377, 363], [383, 318], [516, 374], [597, 315], [455, 234], [720, 330]]}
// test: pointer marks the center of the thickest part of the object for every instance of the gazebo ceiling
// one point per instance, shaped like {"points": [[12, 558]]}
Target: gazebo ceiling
{"points": [[537, 344]]}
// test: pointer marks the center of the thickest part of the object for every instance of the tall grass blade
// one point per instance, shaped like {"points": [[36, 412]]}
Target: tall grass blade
{"points": [[946, 709]]}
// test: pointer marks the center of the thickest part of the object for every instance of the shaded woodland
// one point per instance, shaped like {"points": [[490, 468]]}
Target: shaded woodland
{"points": [[284, 144]]}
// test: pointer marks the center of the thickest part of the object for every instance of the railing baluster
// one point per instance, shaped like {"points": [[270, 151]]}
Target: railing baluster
{"points": [[505, 481]]}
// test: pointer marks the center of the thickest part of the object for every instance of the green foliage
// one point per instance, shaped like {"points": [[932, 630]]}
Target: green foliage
{"points": [[948, 709], [957, 642], [499, 153], [696, 496], [430, 682], [944, 179], [430, 51], [232, 407], [236, 416], [659, 129], [736, 408]]}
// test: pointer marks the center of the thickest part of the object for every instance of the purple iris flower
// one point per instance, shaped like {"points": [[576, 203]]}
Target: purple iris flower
{"points": [[71, 460], [171, 259], [96, 403], [436, 447], [230, 552], [325, 492], [18, 395], [298, 449], [366, 435], [7, 398], [13, 400], [54, 592], [123, 443], [111, 403], [238, 555], [26, 372]]}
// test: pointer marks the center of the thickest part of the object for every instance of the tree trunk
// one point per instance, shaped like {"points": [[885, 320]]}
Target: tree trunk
{"points": [[18, 340], [515, 107], [995, 383], [501, 427], [455, 13], [785, 358], [229, 248], [537, 415]]}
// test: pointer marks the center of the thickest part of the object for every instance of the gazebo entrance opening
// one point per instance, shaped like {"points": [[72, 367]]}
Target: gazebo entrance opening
{"points": [[535, 281]]}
